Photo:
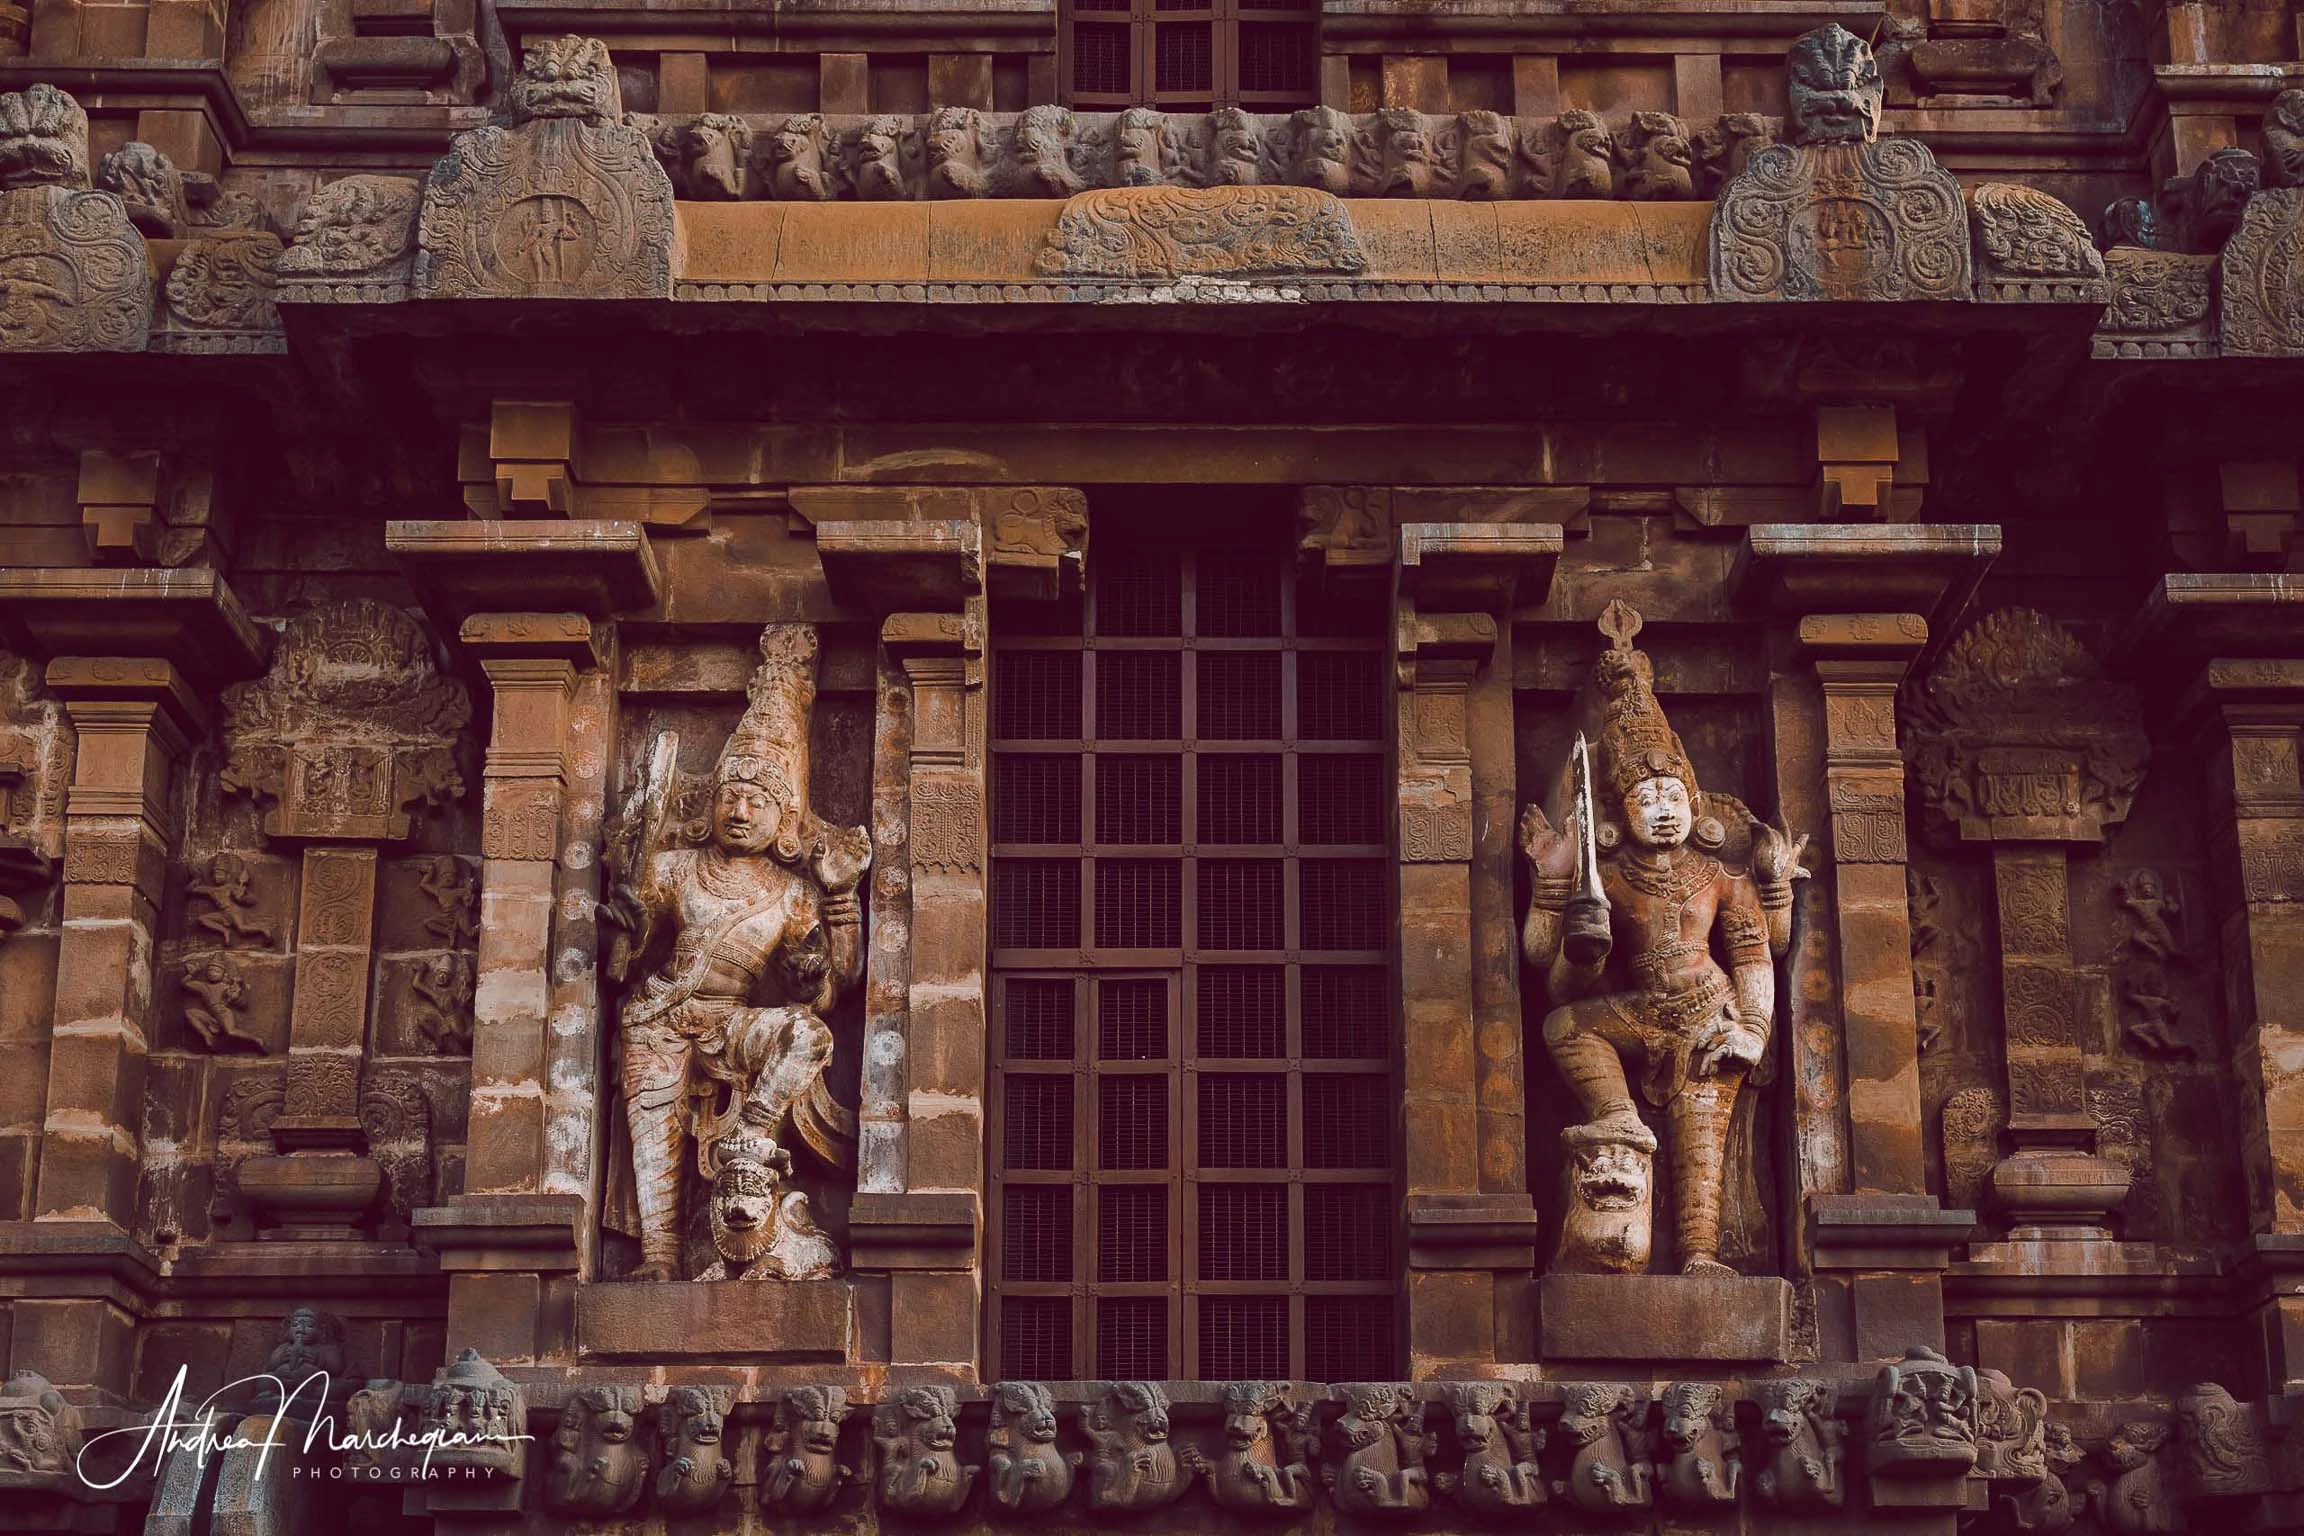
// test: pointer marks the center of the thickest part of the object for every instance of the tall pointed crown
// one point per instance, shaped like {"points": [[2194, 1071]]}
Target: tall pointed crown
{"points": [[769, 746], [1636, 741]]}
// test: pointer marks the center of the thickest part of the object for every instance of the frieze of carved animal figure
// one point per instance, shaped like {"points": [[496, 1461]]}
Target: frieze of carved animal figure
{"points": [[800, 1466], [599, 1464], [1659, 161], [1701, 1470], [1922, 1417], [149, 185], [803, 160], [1132, 1464], [1269, 1443], [40, 1436], [1028, 1473], [1043, 150], [1609, 1468], [955, 144], [1803, 1467], [1145, 152], [1322, 145], [2224, 1454], [879, 165], [1235, 149], [1487, 156], [917, 1434], [2217, 197], [697, 1471], [1410, 155], [2048, 1504], [713, 158], [1583, 156], [2140, 1500], [1381, 1448], [1502, 1447]]}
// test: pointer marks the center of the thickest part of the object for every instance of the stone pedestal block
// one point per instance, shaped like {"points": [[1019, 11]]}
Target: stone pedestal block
{"points": [[720, 1320], [1665, 1317]]}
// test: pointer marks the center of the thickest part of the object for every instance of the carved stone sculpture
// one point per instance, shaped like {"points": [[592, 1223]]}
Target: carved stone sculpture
{"points": [[220, 294], [1144, 152], [1839, 213], [1608, 1469], [1501, 1445], [1583, 156], [1171, 232], [352, 728], [1235, 150], [2151, 1018], [216, 994], [2028, 244], [1381, 1447], [761, 1229], [2224, 1454], [561, 199], [149, 186], [480, 1420], [599, 1464], [309, 1343], [879, 173], [1607, 1221], [2047, 1505], [1922, 1418], [1701, 1471], [1029, 1475], [713, 156], [1321, 145], [802, 166], [2011, 1430], [917, 1434], [1657, 929], [39, 1437], [800, 1469], [73, 274], [2263, 264], [955, 145], [740, 947], [228, 891], [371, 1417], [2159, 299], [1409, 157], [2017, 732], [356, 237], [1802, 1472], [1269, 1444], [2141, 1498], [1131, 1465], [2217, 196], [443, 988], [1043, 159], [1661, 163], [1487, 155], [697, 1472]]}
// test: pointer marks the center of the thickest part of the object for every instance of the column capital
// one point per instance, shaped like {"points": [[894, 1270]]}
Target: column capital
{"points": [[127, 692], [530, 647]]}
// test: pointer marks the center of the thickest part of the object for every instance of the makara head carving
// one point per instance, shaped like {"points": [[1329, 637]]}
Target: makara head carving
{"points": [[566, 77], [43, 138], [1834, 87]]}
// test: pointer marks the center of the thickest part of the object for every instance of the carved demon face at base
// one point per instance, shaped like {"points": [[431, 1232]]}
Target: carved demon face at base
{"points": [[1611, 1176], [1834, 88], [745, 1193], [43, 139]]}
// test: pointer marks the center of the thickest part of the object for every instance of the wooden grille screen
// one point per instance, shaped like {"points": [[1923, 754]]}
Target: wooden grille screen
{"points": [[1193, 1113], [1189, 55]]}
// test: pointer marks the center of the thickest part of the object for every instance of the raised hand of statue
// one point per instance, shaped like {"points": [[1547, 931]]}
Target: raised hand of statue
{"points": [[1551, 852], [840, 858], [1584, 935], [1776, 854]]}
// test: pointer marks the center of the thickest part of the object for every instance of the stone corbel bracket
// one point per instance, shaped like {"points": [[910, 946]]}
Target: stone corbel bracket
{"points": [[1931, 569], [598, 569], [887, 566]]}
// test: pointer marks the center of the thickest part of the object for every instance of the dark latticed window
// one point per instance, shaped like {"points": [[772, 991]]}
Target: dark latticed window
{"points": [[1190, 55], [1193, 1102]]}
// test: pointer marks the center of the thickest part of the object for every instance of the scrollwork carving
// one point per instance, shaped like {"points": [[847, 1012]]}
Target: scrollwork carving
{"points": [[1172, 232], [73, 273]]}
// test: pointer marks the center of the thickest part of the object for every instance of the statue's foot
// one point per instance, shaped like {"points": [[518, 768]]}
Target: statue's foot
{"points": [[1707, 1268], [1620, 1121], [651, 1274]]}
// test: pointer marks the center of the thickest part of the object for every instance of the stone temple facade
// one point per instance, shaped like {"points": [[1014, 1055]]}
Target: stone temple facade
{"points": [[1155, 767]]}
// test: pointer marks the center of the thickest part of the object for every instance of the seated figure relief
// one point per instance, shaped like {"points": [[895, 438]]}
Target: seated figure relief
{"points": [[741, 929], [1657, 917]]}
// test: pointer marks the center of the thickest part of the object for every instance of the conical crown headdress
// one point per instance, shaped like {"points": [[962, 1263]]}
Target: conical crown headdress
{"points": [[769, 746], [1636, 742]]}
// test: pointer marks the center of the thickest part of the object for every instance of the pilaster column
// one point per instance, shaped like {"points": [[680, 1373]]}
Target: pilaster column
{"points": [[1865, 604], [521, 1229], [132, 717], [1471, 1222]]}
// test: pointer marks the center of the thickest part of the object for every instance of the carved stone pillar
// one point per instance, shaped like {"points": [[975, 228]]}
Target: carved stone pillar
{"points": [[132, 717], [2023, 747], [2202, 639], [1873, 1234], [1471, 1220]]}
